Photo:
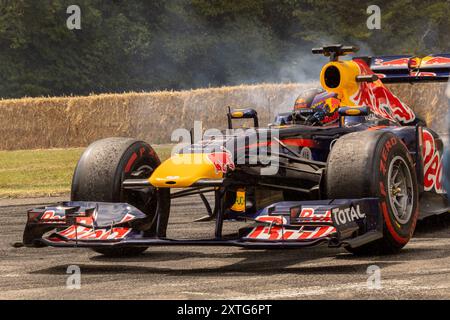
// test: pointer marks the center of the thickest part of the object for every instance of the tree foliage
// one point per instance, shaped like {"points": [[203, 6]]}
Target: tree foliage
{"points": [[177, 44]]}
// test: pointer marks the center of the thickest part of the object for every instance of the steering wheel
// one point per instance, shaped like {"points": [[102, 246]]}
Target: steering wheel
{"points": [[308, 116]]}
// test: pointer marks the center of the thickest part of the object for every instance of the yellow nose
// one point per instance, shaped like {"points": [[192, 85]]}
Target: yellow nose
{"points": [[184, 170]]}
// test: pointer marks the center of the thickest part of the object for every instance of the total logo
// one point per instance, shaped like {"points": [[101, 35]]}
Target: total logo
{"points": [[344, 216]]}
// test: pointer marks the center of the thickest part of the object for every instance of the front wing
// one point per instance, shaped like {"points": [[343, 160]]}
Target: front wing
{"points": [[349, 222]]}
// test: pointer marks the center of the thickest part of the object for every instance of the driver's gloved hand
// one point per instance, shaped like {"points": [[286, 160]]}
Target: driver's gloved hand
{"points": [[317, 117]]}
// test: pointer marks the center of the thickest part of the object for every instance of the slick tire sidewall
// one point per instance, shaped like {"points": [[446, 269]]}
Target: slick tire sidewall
{"points": [[389, 148], [99, 175], [358, 167]]}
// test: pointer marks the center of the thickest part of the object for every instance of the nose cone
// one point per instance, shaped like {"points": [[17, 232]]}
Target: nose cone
{"points": [[183, 170]]}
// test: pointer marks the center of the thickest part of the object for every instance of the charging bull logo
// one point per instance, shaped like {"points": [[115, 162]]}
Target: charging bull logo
{"points": [[392, 63], [222, 161], [380, 100], [432, 164], [435, 60]]}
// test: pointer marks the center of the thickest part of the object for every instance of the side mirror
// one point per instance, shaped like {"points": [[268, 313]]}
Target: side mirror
{"points": [[242, 114], [282, 119], [354, 111]]}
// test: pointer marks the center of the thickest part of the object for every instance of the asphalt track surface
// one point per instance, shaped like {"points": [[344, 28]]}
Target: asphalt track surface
{"points": [[421, 270]]}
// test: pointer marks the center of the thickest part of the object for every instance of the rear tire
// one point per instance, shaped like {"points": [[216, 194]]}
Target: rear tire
{"points": [[377, 164], [99, 175]]}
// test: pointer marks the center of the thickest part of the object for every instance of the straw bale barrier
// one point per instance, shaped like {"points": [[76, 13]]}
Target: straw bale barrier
{"points": [[40, 123]]}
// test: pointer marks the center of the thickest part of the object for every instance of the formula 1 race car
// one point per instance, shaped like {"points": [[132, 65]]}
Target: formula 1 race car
{"points": [[351, 166]]}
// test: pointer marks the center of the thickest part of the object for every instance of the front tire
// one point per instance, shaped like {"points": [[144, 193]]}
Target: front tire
{"points": [[99, 175], [377, 164]]}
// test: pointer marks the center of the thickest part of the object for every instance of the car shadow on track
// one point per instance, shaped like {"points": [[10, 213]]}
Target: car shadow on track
{"points": [[434, 226], [280, 255], [261, 262], [190, 261], [265, 263], [229, 270], [406, 254]]}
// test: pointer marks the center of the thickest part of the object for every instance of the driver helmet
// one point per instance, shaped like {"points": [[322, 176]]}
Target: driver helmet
{"points": [[325, 103], [305, 99]]}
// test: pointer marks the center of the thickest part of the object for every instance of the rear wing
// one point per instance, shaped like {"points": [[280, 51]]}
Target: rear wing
{"points": [[406, 69]]}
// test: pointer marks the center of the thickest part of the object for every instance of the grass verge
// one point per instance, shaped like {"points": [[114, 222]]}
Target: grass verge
{"points": [[43, 173]]}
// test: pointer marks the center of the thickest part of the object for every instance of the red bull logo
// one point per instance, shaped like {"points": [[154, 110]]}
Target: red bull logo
{"points": [[432, 164], [413, 62], [300, 104], [279, 233], [381, 101], [52, 215], [392, 63], [84, 233], [222, 161], [433, 61]]}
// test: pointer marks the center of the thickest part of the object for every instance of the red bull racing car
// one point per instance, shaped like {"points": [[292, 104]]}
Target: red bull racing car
{"points": [[351, 166]]}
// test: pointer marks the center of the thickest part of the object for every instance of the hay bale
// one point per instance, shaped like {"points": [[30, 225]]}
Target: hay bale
{"points": [[78, 121], [32, 123]]}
